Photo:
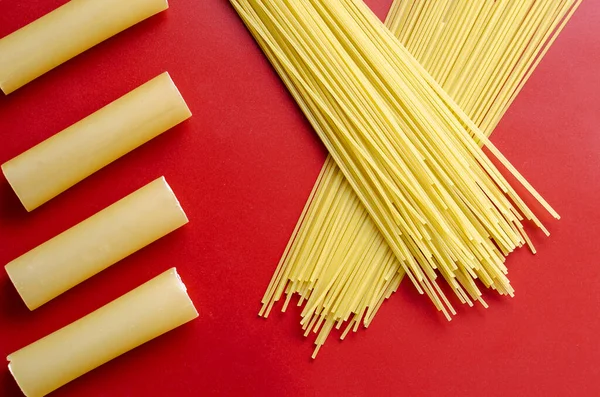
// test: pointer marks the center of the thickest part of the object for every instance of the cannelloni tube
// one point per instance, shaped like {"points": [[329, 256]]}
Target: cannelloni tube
{"points": [[148, 311], [100, 241], [65, 33], [53, 166]]}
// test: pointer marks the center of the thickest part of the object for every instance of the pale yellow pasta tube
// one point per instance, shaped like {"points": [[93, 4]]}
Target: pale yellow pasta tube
{"points": [[53, 166], [65, 33], [96, 243], [148, 311]]}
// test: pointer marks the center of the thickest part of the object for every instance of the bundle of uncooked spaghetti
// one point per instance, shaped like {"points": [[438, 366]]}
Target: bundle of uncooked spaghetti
{"points": [[338, 263], [481, 52], [403, 145]]}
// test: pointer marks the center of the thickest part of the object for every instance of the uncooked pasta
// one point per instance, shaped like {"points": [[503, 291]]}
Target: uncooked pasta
{"points": [[414, 193]]}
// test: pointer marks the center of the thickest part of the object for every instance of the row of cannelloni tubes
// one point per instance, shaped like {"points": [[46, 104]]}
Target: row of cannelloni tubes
{"points": [[55, 165]]}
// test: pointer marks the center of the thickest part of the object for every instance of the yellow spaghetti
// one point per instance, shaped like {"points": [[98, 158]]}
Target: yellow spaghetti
{"points": [[406, 149], [481, 52]]}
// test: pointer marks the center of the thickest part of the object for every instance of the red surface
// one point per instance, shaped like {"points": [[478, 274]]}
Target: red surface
{"points": [[243, 167]]}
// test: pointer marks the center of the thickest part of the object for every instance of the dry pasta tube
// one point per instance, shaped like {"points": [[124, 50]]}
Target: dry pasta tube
{"points": [[135, 318], [53, 166], [65, 33], [100, 241]]}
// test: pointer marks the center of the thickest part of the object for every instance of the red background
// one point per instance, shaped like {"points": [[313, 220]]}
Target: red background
{"points": [[243, 167]]}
